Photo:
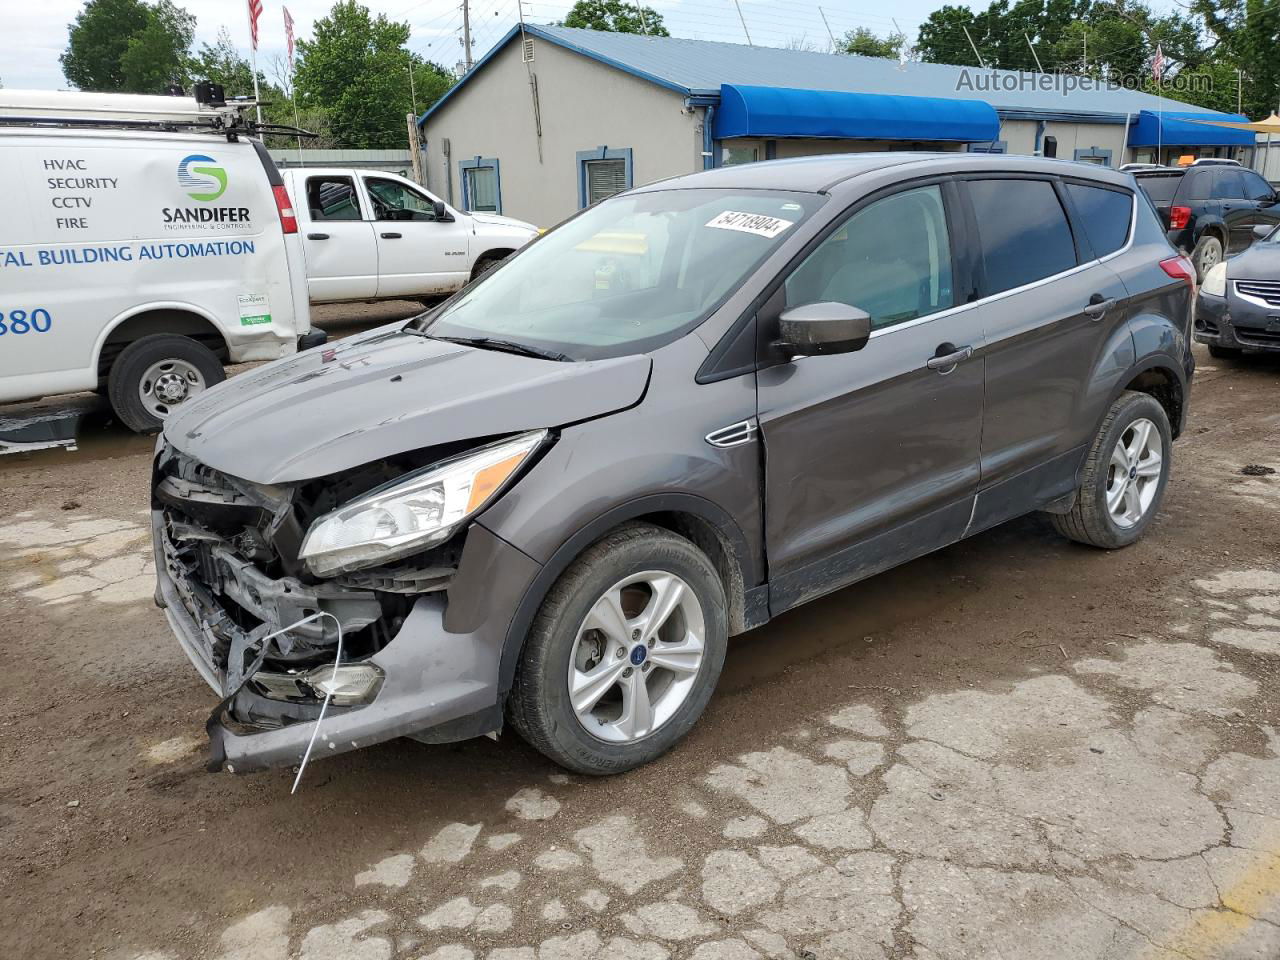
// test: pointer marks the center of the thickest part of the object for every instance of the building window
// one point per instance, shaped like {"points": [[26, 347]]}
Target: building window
{"points": [[1050, 147], [603, 172], [1094, 155], [990, 146], [481, 185], [729, 156]]}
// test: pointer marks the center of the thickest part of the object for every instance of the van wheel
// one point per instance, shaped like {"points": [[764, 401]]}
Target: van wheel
{"points": [[1124, 477], [1207, 255], [153, 376], [624, 653]]}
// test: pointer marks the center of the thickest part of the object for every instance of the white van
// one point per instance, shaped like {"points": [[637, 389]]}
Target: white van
{"points": [[146, 242], [370, 235]]}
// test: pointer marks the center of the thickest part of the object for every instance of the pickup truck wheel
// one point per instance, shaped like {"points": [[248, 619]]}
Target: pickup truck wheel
{"points": [[1207, 255], [153, 376], [484, 265], [1124, 478], [624, 653]]}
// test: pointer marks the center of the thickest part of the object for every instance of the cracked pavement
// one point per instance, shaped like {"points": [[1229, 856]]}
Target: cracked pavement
{"points": [[1015, 748]]}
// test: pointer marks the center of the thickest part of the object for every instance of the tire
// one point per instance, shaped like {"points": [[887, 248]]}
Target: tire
{"points": [[1090, 520], [1207, 254], [484, 265], [540, 707], [1224, 353], [172, 356]]}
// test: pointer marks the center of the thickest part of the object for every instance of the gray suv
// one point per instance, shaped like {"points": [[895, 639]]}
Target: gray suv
{"points": [[551, 500]]}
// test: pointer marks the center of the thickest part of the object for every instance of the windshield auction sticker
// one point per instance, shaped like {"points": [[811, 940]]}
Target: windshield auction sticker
{"points": [[756, 223]]}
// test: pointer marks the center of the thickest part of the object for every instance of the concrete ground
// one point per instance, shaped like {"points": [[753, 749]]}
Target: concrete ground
{"points": [[1015, 748]]}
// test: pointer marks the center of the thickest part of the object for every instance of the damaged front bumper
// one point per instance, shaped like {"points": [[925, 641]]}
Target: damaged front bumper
{"points": [[438, 683]]}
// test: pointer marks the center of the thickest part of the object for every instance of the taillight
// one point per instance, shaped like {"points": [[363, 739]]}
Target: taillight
{"points": [[1180, 268], [284, 206], [1179, 217]]}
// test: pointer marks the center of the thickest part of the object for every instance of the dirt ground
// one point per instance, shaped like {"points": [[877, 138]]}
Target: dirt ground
{"points": [[1015, 748]]}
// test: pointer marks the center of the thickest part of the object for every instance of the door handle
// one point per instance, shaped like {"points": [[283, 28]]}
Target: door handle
{"points": [[945, 363], [1097, 308], [389, 236], [317, 236]]}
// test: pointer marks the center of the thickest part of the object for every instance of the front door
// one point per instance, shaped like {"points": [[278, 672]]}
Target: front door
{"points": [[338, 241], [418, 254], [1266, 205], [871, 457]]}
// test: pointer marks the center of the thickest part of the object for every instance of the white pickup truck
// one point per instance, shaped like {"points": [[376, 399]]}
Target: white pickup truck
{"points": [[369, 235]]}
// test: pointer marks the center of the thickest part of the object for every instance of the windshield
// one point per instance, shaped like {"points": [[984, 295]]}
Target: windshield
{"points": [[627, 275]]}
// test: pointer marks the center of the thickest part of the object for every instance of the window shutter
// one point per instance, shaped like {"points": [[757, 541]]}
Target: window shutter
{"points": [[526, 50], [605, 178]]}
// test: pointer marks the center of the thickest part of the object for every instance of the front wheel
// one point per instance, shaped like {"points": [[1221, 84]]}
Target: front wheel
{"points": [[1206, 256], [1124, 477], [153, 376], [624, 653]]}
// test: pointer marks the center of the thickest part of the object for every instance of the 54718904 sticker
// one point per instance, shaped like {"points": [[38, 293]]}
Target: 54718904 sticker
{"points": [[759, 224]]}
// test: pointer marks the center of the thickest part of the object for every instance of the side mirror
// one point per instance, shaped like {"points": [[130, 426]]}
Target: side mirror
{"points": [[821, 328], [1263, 230], [438, 208]]}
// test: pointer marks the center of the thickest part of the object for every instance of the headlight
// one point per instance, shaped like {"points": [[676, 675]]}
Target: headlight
{"points": [[412, 514], [1215, 281]]}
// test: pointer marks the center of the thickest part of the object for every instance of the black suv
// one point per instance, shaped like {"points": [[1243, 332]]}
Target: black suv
{"points": [[1210, 211]]}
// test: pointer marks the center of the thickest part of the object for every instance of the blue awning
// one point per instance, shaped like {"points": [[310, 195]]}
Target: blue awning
{"points": [[783, 112], [1152, 128]]}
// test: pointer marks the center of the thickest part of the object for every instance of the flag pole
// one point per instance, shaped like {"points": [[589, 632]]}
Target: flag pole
{"points": [[253, 59]]}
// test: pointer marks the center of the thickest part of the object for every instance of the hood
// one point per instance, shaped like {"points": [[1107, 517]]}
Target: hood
{"points": [[387, 392], [1260, 262], [493, 219]]}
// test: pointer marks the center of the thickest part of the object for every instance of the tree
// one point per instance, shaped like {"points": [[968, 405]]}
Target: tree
{"points": [[865, 43], [616, 16], [356, 67], [128, 46], [1246, 35]]}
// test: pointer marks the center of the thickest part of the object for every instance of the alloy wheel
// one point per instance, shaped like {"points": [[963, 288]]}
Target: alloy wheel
{"points": [[1133, 474]]}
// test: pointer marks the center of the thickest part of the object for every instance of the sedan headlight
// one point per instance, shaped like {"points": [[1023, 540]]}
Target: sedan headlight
{"points": [[414, 513], [1215, 281]]}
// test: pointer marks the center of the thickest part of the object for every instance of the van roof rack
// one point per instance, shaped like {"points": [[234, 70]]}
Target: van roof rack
{"points": [[208, 112]]}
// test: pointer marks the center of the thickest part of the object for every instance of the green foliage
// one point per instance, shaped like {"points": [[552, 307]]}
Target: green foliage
{"points": [[356, 67], [865, 43], [1246, 34], [127, 46], [617, 16]]}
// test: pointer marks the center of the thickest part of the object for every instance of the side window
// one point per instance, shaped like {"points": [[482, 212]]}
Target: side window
{"points": [[1022, 231], [1105, 214], [1228, 185], [603, 172], [332, 198], [393, 200], [1255, 188], [891, 259]]}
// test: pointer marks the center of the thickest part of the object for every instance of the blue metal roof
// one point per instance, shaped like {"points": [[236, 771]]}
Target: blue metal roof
{"points": [[1154, 128], [782, 112], [701, 67]]}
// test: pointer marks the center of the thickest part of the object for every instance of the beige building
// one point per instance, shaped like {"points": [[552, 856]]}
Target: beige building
{"points": [[553, 119]]}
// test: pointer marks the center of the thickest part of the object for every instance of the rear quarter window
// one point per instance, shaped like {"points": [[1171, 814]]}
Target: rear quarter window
{"points": [[1106, 216]]}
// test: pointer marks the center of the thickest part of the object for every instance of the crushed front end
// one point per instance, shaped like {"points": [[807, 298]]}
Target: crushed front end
{"points": [[233, 586]]}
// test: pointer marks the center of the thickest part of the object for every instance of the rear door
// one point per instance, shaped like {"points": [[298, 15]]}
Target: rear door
{"points": [[418, 254], [871, 458], [1048, 308], [338, 238]]}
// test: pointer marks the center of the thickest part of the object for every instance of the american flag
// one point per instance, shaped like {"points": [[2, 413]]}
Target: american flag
{"points": [[255, 11], [288, 34], [1157, 65]]}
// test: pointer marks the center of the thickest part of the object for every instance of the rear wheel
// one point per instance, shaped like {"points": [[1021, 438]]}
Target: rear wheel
{"points": [[624, 654], [1224, 353], [1124, 477], [154, 376], [1206, 256]]}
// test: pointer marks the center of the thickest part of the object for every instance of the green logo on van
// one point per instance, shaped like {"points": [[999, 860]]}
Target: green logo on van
{"points": [[206, 182]]}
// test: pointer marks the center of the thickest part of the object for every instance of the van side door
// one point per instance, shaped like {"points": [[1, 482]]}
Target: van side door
{"points": [[419, 254], [338, 239], [871, 457], [1051, 311]]}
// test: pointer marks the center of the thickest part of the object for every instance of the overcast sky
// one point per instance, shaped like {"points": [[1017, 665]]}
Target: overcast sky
{"points": [[35, 33]]}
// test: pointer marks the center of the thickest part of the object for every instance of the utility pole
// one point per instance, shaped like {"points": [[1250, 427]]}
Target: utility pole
{"points": [[744, 23], [1033, 51], [644, 27], [828, 26], [415, 150], [466, 34]]}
